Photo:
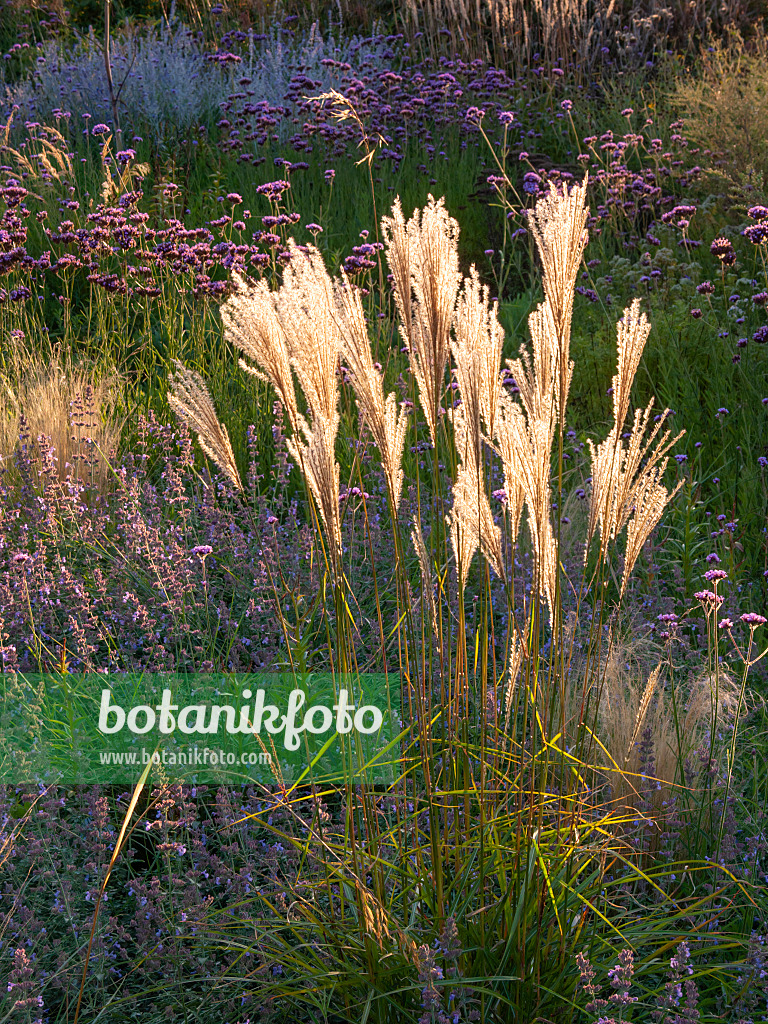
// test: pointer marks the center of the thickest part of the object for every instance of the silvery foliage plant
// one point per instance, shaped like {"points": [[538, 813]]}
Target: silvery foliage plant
{"points": [[167, 80]]}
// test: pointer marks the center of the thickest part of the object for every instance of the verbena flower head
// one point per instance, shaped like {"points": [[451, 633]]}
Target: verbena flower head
{"points": [[715, 575], [273, 190], [723, 249], [752, 619]]}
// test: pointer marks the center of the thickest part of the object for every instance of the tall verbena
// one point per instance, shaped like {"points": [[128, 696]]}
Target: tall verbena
{"points": [[525, 798]]}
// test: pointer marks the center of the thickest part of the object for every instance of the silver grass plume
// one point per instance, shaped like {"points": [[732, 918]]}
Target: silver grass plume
{"points": [[463, 525], [527, 447], [509, 453], [477, 355], [252, 324], [543, 375], [317, 461], [398, 253], [536, 371], [295, 330], [191, 400], [305, 305], [627, 473], [471, 521], [477, 347], [651, 498], [387, 422], [558, 225], [517, 655], [424, 260]]}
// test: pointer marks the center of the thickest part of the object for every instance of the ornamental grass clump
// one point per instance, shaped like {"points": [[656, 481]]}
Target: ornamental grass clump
{"points": [[526, 764], [67, 415]]}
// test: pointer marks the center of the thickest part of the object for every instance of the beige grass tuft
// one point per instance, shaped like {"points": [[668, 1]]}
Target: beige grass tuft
{"points": [[46, 393]]}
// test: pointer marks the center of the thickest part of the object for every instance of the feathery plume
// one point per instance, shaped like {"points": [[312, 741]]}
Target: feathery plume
{"points": [[516, 657], [651, 498], [507, 450], [527, 446], [305, 305], [479, 339], [626, 474], [558, 224], [645, 703], [471, 520], [631, 335], [618, 481], [252, 324], [317, 461], [191, 401], [387, 422], [398, 252], [426, 280]]}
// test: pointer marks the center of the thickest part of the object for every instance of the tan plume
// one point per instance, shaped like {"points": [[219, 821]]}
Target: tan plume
{"points": [[252, 324], [558, 225], [424, 260], [479, 339], [305, 305], [642, 711], [191, 401], [471, 520], [317, 460], [387, 422]]}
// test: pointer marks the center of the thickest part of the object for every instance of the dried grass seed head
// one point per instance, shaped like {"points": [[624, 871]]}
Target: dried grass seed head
{"points": [[191, 401]]}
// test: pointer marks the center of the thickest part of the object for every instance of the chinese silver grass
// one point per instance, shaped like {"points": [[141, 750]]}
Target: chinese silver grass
{"points": [[477, 347], [398, 252], [252, 324], [191, 401], [536, 371], [305, 306], [627, 473], [509, 453], [424, 260], [651, 498], [471, 521], [558, 225], [387, 422], [296, 329], [316, 457], [516, 657], [632, 332], [525, 447]]}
